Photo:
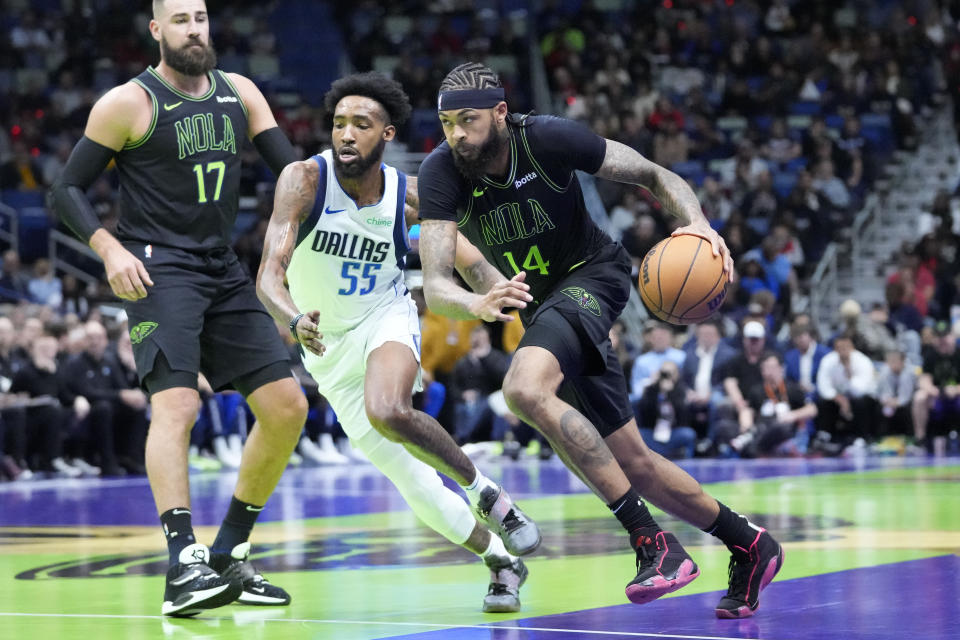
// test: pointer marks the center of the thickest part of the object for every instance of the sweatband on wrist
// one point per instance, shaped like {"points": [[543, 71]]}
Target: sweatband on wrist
{"points": [[293, 327], [470, 99], [275, 149]]}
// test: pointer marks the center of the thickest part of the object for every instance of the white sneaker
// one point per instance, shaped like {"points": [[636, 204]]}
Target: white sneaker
{"points": [[85, 467], [329, 448], [309, 450], [225, 454], [345, 448], [235, 444], [60, 466]]}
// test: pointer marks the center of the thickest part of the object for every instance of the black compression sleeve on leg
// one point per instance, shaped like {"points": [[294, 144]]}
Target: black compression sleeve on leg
{"points": [[275, 149], [67, 197]]}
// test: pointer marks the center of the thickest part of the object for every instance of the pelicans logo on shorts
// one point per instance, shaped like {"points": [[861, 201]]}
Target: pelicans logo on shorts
{"points": [[583, 298], [141, 331]]}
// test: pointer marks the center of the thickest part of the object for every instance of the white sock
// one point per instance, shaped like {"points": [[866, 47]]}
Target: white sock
{"points": [[475, 488], [496, 549]]}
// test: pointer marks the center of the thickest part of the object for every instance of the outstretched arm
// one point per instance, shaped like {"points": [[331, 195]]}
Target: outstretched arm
{"points": [[623, 164], [438, 254], [295, 194]]}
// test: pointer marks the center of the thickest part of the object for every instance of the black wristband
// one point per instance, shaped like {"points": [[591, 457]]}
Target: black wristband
{"points": [[293, 326]]}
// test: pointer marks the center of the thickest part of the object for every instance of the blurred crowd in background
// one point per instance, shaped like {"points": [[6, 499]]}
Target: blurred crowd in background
{"points": [[782, 114]]}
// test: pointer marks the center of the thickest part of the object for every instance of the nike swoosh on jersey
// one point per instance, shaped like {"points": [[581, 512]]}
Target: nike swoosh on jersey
{"points": [[169, 107], [328, 210], [478, 192]]}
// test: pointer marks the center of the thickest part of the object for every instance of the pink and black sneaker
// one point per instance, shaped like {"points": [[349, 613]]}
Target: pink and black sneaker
{"points": [[662, 567], [751, 570]]}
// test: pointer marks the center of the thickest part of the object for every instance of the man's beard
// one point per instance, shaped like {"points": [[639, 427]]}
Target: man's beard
{"points": [[363, 162], [475, 168], [189, 60]]}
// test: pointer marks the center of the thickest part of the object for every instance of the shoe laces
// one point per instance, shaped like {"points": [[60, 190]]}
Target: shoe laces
{"points": [[498, 589], [511, 521], [738, 573], [647, 552]]}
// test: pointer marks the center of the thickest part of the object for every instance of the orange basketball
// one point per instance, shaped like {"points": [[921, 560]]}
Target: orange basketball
{"points": [[681, 281]]}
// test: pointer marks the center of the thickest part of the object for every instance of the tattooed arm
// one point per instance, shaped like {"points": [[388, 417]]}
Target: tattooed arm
{"points": [[469, 262], [623, 164], [295, 194], [474, 268], [438, 254]]}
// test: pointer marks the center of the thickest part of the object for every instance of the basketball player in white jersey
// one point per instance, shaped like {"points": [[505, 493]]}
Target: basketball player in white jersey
{"points": [[338, 236]]}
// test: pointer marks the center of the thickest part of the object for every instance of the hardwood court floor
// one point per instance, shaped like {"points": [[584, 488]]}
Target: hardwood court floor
{"points": [[871, 553]]}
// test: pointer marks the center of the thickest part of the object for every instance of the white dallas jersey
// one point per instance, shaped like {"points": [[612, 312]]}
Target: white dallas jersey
{"points": [[349, 260]]}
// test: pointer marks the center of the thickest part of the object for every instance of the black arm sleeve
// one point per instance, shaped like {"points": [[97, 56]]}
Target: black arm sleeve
{"points": [[67, 197], [275, 149]]}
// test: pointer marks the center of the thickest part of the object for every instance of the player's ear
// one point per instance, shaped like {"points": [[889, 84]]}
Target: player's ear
{"points": [[389, 132], [500, 112], [155, 30]]}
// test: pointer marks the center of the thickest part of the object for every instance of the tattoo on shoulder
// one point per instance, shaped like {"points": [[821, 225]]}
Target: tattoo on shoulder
{"points": [[297, 187], [412, 198]]}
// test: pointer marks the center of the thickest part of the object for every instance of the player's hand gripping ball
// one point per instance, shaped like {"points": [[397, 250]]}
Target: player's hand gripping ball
{"points": [[681, 281]]}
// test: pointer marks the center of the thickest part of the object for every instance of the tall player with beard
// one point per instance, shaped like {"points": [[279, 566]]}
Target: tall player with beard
{"points": [[338, 237], [507, 183], [175, 132]]}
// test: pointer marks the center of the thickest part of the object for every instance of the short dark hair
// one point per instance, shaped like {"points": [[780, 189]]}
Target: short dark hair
{"points": [[772, 354], [388, 93], [470, 75]]}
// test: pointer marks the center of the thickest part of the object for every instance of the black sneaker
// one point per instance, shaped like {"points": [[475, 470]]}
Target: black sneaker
{"points": [[662, 567], [519, 533], [506, 578], [193, 586], [751, 570], [256, 589]]}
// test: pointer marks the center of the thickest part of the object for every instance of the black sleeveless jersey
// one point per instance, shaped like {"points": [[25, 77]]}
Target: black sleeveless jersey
{"points": [[534, 219], [180, 182]]}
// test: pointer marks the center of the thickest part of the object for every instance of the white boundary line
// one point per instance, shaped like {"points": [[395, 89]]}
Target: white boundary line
{"points": [[630, 634]]}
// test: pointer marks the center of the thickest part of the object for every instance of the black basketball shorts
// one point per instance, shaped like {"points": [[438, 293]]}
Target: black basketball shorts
{"points": [[573, 323], [203, 315]]}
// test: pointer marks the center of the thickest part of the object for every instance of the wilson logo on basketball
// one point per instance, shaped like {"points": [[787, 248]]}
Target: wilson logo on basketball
{"points": [[681, 281]]}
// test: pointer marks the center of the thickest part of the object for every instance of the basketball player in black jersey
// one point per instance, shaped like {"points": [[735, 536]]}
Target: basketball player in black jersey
{"points": [[175, 132], [507, 183]]}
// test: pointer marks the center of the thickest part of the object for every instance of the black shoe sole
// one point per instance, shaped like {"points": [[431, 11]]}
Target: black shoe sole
{"points": [[218, 599]]}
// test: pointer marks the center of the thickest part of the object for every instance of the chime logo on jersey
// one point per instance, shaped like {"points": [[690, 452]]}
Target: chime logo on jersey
{"points": [[348, 245]]}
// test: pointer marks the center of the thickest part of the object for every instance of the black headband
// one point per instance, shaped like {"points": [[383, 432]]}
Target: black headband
{"points": [[470, 99]]}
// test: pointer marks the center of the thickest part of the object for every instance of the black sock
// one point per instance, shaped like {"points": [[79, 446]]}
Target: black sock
{"points": [[633, 514], [178, 529], [733, 529], [236, 525]]}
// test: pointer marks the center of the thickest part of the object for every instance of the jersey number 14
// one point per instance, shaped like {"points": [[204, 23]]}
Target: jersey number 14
{"points": [[533, 261]]}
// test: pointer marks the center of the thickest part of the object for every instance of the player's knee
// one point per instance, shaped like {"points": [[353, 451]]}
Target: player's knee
{"points": [[288, 413], [389, 416], [523, 399]]}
